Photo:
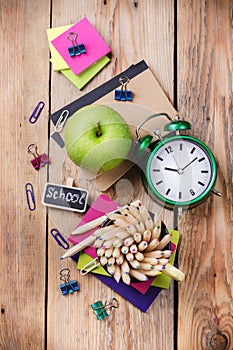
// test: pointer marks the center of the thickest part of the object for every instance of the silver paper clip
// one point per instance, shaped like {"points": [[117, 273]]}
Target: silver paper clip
{"points": [[92, 265], [61, 121], [30, 196], [36, 112]]}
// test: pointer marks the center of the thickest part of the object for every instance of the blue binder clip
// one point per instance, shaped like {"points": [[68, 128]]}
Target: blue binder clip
{"points": [[76, 49], [123, 94], [68, 287], [100, 309]]}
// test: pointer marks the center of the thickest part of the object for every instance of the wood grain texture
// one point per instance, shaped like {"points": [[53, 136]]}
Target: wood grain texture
{"points": [[204, 78], [34, 314], [125, 27], [24, 81]]}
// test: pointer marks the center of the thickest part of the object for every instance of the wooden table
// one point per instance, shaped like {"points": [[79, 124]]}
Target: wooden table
{"points": [[188, 47]]}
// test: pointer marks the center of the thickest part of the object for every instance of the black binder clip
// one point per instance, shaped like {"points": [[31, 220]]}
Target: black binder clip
{"points": [[100, 309], [123, 94], [76, 49], [68, 287]]}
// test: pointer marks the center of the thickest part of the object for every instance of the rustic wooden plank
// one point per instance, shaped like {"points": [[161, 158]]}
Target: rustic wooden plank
{"points": [[205, 98], [135, 30], [24, 81]]}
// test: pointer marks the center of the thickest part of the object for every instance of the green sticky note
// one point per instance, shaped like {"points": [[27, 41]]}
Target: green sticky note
{"points": [[83, 78]]}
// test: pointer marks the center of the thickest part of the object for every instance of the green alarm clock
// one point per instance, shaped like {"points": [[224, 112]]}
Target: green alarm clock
{"points": [[180, 169]]}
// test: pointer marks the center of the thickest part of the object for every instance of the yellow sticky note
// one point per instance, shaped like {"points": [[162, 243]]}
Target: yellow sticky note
{"points": [[56, 59]]}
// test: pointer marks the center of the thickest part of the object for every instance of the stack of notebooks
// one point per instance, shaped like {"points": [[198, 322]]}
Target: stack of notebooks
{"points": [[82, 68], [140, 294]]}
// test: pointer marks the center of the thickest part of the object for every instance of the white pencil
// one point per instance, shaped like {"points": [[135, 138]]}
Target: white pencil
{"points": [[95, 223], [78, 247]]}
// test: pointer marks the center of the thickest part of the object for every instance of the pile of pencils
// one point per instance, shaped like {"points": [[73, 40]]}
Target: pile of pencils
{"points": [[133, 246]]}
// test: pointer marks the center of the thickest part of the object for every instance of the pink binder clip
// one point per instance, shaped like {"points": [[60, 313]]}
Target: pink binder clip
{"points": [[39, 160]]}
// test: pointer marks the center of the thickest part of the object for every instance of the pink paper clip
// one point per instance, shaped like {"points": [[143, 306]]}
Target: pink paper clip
{"points": [[39, 159]]}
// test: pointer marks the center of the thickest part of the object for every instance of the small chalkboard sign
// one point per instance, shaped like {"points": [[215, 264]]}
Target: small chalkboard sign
{"points": [[65, 197]]}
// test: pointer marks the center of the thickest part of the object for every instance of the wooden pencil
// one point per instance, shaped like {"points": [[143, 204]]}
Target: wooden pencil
{"points": [[139, 256], [134, 210], [131, 229], [137, 237], [131, 219], [164, 241], [157, 230], [173, 272], [125, 267], [128, 241], [149, 223], [144, 212], [103, 260], [142, 246], [117, 273], [140, 227], [152, 245], [152, 261], [108, 244], [158, 254], [126, 278], [146, 266], [146, 235], [138, 275], [111, 269], [133, 248], [116, 252], [78, 247], [120, 259], [124, 249], [100, 252], [111, 261], [129, 256], [108, 252], [150, 273], [135, 264]]}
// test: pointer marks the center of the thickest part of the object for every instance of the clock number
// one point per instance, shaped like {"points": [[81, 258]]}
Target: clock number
{"points": [[169, 149], [192, 192]]}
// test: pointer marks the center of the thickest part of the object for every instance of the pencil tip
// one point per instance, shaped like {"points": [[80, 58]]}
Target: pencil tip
{"points": [[61, 258]]}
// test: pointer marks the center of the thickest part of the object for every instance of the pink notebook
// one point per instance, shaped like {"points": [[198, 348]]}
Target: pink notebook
{"points": [[94, 44]]}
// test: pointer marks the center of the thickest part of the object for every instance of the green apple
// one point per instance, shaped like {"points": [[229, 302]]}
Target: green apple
{"points": [[97, 138]]}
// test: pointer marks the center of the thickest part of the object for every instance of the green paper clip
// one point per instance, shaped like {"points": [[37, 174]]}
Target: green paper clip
{"points": [[100, 309]]}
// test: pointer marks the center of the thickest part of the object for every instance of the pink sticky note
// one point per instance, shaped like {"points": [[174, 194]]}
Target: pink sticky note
{"points": [[94, 44]]}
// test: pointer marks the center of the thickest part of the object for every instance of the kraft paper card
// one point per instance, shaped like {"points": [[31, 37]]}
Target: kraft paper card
{"points": [[148, 98], [94, 44]]}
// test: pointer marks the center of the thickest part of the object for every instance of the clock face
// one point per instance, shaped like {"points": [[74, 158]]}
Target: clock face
{"points": [[181, 170]]}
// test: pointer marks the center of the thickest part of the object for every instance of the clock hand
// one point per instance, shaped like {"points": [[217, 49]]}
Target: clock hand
{"points": [[171, 169], [189, 163]]}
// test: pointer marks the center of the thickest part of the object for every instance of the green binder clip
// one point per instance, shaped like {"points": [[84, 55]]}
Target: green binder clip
{"points": [[101, 309]]}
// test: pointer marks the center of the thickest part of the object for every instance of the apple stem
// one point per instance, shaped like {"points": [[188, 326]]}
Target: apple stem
{"points": [[99, 133]]}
